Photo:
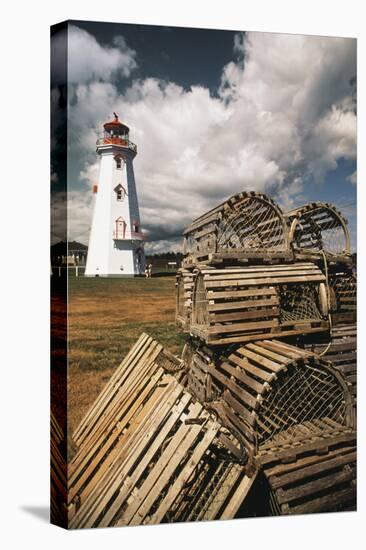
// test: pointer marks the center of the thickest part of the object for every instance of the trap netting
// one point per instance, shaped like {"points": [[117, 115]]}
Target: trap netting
{"points": [[343, 292], [246, 224], [299, 400], [255, 223], [299, 303], [319, 227]]}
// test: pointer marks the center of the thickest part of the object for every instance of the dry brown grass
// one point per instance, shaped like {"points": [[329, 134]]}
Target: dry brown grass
{"points": [[105, 318]]}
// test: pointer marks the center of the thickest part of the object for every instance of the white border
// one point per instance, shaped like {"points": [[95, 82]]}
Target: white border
{"points": [[25, 269]]}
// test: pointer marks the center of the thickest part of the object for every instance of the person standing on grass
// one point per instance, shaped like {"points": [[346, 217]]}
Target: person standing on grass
{"points": [[150, 270]]}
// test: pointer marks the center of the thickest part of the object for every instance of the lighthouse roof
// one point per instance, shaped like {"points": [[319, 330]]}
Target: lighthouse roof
{"points": [[116, 123]]}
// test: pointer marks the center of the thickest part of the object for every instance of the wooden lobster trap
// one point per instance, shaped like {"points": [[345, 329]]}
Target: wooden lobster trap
{"points": [[242, 304], [249, 225], [319, 228], [145, 448], [323, 480], [275, 398], [343, 296], [217, 491], [341, 351], [105, 425], [184, 286]]}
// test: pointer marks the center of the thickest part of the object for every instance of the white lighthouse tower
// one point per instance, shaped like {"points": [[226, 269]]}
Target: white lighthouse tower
{"points": [[116, 245]]}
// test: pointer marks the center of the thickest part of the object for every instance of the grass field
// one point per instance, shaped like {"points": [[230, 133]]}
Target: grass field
{"points": [[106, 316]]}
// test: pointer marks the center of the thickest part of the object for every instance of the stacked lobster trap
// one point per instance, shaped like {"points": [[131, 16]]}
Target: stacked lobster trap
{"points": [[269, 302], [258, 415]]}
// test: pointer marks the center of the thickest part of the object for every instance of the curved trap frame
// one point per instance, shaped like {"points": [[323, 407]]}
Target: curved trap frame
{"points": [[242, 304], [272, 396], [341, 351], [318, 227], [248, 225]]}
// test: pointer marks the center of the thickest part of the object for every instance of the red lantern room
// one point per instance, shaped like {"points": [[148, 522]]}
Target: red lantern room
{"points": [[116, 132]]}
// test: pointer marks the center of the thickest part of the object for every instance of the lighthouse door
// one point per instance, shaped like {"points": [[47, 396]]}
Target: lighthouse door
{"points": [[120, 229], [139, 261]]}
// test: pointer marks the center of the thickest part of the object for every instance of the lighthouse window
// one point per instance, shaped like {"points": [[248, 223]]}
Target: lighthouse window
{"points": [[119, 163], [120, 192]]}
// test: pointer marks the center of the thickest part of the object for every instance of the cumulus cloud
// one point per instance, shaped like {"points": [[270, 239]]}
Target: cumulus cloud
{"points": [[353, 177], [89, 60], [332, 137], [284, 113], [79, 210]]}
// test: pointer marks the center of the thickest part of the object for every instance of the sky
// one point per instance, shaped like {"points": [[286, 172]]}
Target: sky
{"points": [[212, 113]]}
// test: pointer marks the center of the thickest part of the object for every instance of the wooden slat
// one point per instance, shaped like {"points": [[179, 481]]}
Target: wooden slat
{"points": [[310, 471], [213, 295], [272, 366], [263, 273], [328, 502], [182, 479], [271, 302], [236, 327], [242, 377], [244, 395], [315, 458], [161, 473], [158, 444], [241, 315], [308, 266], [265, 281], [239, 496], [250, 368], [257, 336], [315, 486]]}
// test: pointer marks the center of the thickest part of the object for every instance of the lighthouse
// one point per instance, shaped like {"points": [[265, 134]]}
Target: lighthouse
{"points": [[116, 242]]}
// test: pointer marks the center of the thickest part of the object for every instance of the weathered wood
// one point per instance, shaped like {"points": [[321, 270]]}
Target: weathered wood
{"points": [[309, 228], [316, 486], [247, 386], [245, 226], [238, 497], [310, 471], [290, 453], [155, 440], [185, 474], [316, 482], [244, 305], [226, 302], [333, 502], [323, 327], [184, 286], [343, 289], [213, 295], [265, 280], [341, 352]]}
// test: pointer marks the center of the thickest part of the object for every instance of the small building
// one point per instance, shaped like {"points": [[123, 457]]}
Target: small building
{"points": [[68, 254]]}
